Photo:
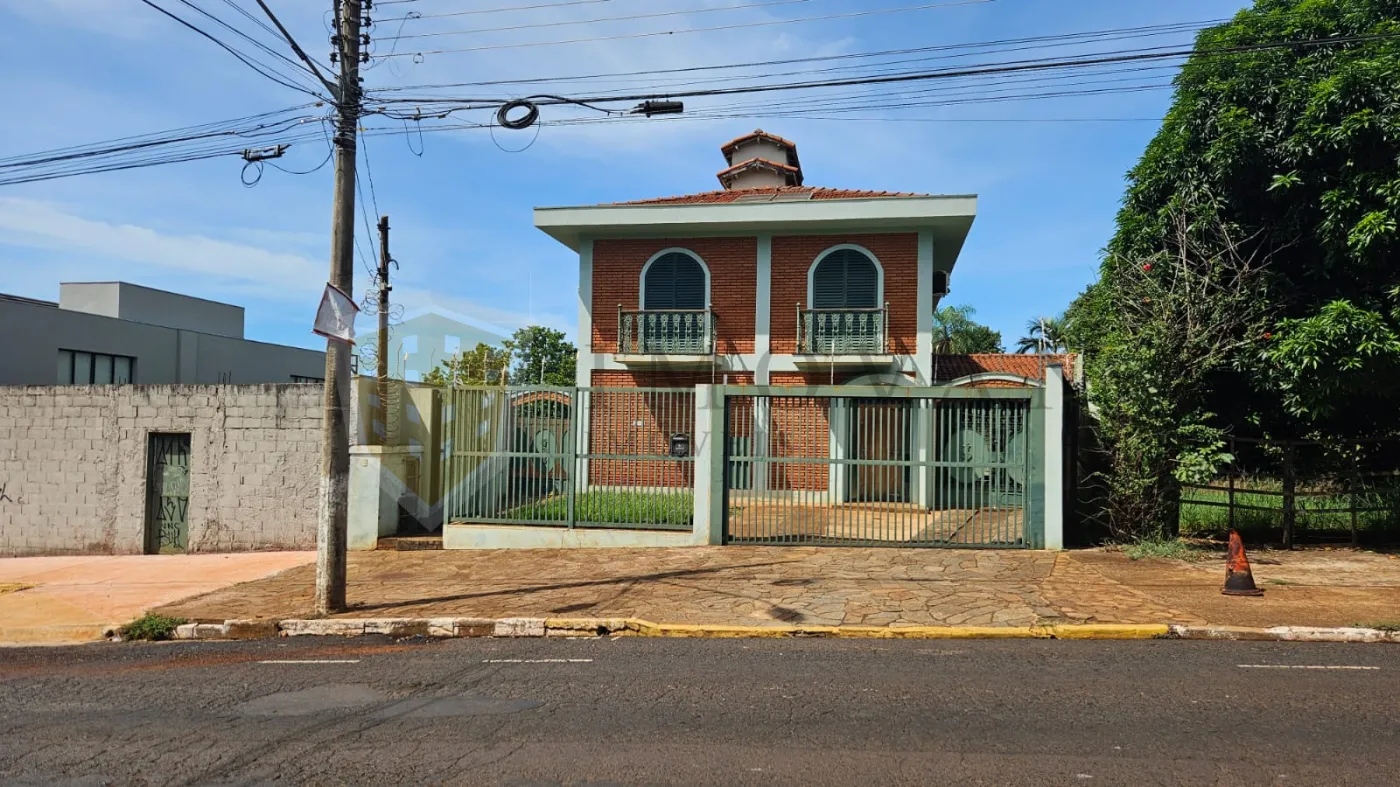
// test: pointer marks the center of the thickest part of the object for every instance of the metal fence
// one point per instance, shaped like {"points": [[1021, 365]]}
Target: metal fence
{"points": [[669, 332], [569, 457], [1300, 490], [883, 466], [843, 331]]}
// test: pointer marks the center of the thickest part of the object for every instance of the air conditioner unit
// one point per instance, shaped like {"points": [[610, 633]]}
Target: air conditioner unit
{"points": [[940, 283]]}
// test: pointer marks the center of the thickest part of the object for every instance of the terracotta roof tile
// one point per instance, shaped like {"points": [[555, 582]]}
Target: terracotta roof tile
{"points": [[951, 367], [732, 195], [757, 133], [793, 174]]}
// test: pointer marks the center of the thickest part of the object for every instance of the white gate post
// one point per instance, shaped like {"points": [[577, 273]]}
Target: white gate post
{"points": [[1054, 463], [707, 445]]}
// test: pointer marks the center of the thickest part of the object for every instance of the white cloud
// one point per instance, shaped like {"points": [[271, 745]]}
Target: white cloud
{"points": [[275, 275]]}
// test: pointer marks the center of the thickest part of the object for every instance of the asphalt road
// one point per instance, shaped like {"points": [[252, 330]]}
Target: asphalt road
{"points": [[634, 711]]}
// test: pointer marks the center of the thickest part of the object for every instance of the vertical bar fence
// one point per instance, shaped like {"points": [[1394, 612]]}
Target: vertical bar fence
{"points": [[842, 466], [526, 456]]}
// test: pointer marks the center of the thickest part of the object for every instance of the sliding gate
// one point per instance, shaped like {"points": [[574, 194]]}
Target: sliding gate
{"points": [[847, 466]]}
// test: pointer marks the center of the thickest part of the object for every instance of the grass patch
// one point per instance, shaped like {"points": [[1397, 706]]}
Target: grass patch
{"points": [[1318, 510], [1279, 582], [151, 627], [1391, 626], [12, 587], [675, 509], [1173, 548]]}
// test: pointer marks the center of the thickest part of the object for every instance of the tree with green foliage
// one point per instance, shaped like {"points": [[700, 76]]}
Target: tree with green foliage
{"points": [[482, 365], [1043, 335], [1250, 283], [542, 357], [957, 333], [534, 355]]}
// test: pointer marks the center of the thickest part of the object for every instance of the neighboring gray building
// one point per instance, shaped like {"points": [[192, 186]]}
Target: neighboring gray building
{"points": [[425, 338], [116, 332]]}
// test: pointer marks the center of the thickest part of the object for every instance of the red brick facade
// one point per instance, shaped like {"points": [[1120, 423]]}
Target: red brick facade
{"points": [[733, 264], [623, 424], [641, 424], [793, 256]]}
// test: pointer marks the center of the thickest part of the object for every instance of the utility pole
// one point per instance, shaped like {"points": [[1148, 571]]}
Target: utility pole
{"points": [[382, 376], [335, 439]]}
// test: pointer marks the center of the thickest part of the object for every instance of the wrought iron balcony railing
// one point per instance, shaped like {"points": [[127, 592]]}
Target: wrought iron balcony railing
{"points": [[668, 332], [842, 331]]}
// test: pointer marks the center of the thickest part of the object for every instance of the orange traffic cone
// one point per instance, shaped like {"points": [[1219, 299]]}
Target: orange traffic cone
{"points": [[1239, 580]]}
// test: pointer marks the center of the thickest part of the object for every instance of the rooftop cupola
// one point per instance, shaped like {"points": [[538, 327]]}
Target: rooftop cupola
{"points": [[760, 159]]}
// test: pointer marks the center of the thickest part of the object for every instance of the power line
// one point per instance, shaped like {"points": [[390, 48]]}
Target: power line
{"points": [[263, 69], [986, 69], [215, 128], [571, 22], [975, 71], [369, 176], [301, 70], [655, 33], [649, 75], [494, 10]]}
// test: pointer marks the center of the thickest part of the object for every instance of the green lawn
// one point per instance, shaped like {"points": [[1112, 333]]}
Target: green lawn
{"points": [[1378, 512], [669, 510]]}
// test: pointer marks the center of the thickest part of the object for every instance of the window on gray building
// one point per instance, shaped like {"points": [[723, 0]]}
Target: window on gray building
{"points": [[76, 367], [298, 378]]}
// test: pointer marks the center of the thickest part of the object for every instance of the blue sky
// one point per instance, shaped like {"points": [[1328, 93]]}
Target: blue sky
{"points": [[86, 70]]}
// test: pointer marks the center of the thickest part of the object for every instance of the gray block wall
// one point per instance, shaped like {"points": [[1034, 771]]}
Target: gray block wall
{"points": [[73, 463]]}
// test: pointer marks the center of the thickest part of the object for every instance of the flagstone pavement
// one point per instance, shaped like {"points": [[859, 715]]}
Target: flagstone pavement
{"points": [[715, 585]]}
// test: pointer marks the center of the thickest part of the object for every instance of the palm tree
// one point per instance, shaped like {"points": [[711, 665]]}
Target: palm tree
{"points": [[1043, 335]]}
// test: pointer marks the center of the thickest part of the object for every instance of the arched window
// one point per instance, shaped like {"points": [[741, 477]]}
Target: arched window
{"points": [[675, 280], [845, 277]]}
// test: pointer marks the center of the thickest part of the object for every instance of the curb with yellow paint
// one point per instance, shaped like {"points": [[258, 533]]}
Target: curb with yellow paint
{"points": [[453, 627], [635, 627]]}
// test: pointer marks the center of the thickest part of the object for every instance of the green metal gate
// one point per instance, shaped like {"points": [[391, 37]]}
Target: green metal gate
{"points": [[847, 466], [569, 457], [167, 493]]}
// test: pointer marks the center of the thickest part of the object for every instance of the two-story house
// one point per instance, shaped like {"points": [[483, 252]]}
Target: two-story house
{"points": [[766, 281]]}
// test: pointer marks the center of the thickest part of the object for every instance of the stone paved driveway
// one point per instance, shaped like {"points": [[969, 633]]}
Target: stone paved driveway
{"points": [[717, 585]]}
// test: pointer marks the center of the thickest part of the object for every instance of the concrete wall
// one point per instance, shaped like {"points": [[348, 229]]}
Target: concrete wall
{"points": [[73, 462], [31, 334]]}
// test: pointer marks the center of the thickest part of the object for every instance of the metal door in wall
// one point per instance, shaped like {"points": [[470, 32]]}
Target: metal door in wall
{"points": [[167, 493]]}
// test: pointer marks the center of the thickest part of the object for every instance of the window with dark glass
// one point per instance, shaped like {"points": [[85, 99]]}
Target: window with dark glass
{"points": [[673, 282], [846, 279], [76, 367], [844, 315]]}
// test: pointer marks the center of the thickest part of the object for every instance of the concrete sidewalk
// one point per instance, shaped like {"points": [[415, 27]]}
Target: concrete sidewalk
{"points": [[781, 586], [54, 600]]}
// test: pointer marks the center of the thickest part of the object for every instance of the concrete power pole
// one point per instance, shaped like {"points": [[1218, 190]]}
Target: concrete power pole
{"points": [[382, 373], [335, 439]]}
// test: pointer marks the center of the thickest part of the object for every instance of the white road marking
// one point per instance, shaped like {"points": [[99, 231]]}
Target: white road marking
{"points": [[536, 661], [1305, 666], [310, 661]]}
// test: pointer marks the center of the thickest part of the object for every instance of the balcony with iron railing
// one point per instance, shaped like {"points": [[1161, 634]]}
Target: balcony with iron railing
{"points": [[665, 332], [843, 332]]}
